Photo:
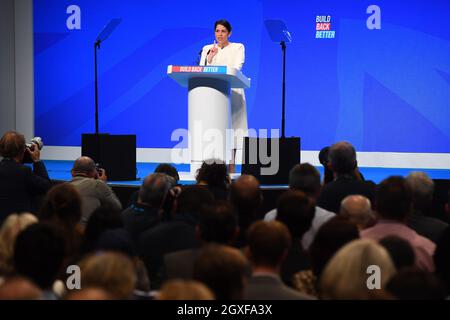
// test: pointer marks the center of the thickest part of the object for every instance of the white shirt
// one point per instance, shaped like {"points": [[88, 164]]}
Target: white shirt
{"points": [[320, 217], [233, 55]]}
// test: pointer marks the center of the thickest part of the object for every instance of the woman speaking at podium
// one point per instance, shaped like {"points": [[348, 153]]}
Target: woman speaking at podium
{"points": [[225, 53]]}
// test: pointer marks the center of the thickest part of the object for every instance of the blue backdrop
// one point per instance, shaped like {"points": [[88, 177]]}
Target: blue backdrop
{"points": [[384, 90]]}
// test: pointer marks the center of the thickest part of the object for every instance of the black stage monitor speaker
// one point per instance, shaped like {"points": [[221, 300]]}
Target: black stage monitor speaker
{"points": [[114, 153], [270, 159]]}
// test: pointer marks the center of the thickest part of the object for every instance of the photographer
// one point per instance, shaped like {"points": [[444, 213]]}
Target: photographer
{"points": [[90, 181], [19, 185]]}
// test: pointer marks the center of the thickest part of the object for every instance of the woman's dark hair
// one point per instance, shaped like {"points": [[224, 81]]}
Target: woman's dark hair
{"points": [[214, 173], [224, 23], [62, 205]]}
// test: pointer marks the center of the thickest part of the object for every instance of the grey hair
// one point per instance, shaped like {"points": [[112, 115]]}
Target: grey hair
{"points": [[421, 185], [154, 189]]}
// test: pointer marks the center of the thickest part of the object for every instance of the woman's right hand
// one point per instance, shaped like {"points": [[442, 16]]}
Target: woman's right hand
{"points": [[212, 52]]}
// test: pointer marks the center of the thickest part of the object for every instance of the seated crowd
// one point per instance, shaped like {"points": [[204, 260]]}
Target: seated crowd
{"points": [[337, 238]]}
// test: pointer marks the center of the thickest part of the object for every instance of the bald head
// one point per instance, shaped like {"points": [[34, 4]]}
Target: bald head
{"points": [[83, 165], [246, 193], [357, 210], [247, 184], [342, 158]]}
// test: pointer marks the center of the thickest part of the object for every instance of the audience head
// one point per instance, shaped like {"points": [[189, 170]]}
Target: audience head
{"points": [[168, 169], [218, 223], [323, 159], [393, 199], [223, 269], [62, 206], [415, 284], [213, 173], [245, 194], [268, 243], [12, 145], [401, 252], [154, 189], [9, 230], [192, 199], [184, 290], [332, 235], [357, 209], [39, 253], [296, 210], [19, 288], [84, 166], [91, 293], [342, 158], [346, 274], [422, 188], [113, 272], [305, 177]]}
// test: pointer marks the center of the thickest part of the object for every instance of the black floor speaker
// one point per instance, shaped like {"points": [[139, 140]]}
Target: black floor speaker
{"points": [[114, 153], [270, 159]]}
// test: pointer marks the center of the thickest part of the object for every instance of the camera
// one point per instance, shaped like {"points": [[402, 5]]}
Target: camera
{"points": [[36, 142]]}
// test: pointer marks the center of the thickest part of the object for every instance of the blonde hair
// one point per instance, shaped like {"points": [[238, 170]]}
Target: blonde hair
{"points": [[346, 274], [11, 227], [113, 272], [185, 290]]}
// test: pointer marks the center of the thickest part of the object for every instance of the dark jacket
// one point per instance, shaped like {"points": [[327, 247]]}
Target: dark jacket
{"points": [[334, 192], [19, 186]]}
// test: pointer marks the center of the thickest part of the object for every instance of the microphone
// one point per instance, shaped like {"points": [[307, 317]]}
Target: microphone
{"points": [[206, 58]]}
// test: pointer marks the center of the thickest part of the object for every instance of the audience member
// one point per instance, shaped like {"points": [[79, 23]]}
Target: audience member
{"points": [[213, 174], [305, 177], [268, 246], [332, 236], [217, 224], [177, 234], [393, 205], [111, 271], [38, 255], [184, 290], [415, 284], [19, 288], [346, 275], [246, 197], [422, 189], [11, 227], [91, 183], [401, 252], [441, 259], [296, 211], [62, 208], [342, 161], [19, 185], [223, 269], [357, 209], [146, 211]]}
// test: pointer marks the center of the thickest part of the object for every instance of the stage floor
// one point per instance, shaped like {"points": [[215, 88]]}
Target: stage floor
{"points": [[60, 170]]}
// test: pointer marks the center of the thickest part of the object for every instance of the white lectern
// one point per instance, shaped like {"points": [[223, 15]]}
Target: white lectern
{"points": [[209, 108]]}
